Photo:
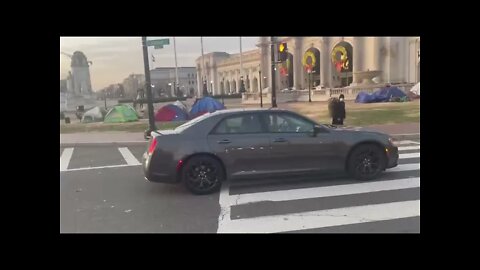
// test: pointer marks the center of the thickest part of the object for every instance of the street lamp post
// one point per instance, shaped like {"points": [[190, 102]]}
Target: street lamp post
{"points": [[309, 89], [223, 87], [272, 51], [261, 94], [211, 87], [148, 85], [105, 98]]}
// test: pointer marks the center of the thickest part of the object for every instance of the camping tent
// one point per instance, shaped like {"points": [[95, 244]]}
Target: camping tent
{"points": [[121, 113], [205, 105], [171, 112], [181, 105], [93, 115], [416, 89], [383, 95]]}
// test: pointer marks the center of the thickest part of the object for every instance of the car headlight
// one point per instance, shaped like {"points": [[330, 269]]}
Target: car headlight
{"points": [[390, 140]]}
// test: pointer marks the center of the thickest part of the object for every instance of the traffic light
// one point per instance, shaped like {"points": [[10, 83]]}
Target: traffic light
{"points": [[282, 52]]}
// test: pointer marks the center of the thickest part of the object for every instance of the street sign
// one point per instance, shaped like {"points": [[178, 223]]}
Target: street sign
{"points": [[158, 42], [158, 47]]}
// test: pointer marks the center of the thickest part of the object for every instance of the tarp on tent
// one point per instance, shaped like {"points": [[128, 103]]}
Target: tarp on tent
{"points": [[205, 105], [93, 115], [171, 112], [121, 113], [416, 89], [181, 105], [383, 95]]}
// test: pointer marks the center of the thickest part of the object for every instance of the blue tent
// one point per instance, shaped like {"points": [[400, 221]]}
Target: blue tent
{"points": [[205, 105], [382, 95]]}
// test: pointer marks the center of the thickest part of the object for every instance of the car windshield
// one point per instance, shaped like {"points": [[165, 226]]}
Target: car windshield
{"points": [[192, 122]]}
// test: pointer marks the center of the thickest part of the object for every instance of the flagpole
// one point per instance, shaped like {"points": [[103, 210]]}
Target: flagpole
{"points": [[203, 65], [176, 67], [241, 63]]}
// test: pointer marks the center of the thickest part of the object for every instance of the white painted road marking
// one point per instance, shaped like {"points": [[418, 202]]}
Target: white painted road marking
{"points": [[100, 167], [319, 192], [409, 155], [322, 218], [405, 142], [408, 148], [224, 201], [65, 158], [405, 167], [128, 156]]}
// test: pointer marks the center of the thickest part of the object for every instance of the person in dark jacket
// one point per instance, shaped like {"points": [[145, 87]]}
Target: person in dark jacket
{"points": [[339, 113]]}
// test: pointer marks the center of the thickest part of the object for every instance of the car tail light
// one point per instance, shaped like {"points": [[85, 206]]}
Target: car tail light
{"points": [[152, 146], [179, 165]]}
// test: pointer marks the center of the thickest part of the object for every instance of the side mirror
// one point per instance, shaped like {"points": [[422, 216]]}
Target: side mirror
{"points": [[316, 130]]}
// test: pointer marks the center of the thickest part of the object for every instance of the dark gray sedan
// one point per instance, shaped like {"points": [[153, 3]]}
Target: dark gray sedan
{"points": [[238, 143]]}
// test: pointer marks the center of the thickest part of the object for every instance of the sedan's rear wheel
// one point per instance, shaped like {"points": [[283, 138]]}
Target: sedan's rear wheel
{"points": [[366, 162], [202, 175]]}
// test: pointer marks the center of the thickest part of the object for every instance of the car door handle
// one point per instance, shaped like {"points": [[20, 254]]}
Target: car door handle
{"points": [[224, 141], [279, 140]]}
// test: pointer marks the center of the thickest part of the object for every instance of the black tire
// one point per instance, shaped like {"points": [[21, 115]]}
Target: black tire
{"points": [[203, 175], [366, 162]]}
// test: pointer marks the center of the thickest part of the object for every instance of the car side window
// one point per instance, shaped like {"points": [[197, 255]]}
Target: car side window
{"points": [[246, 123], [287, 123]]}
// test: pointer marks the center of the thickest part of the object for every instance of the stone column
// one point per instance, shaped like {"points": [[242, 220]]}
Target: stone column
{"points": [[297, 64], [379, 57], [324, 60], [358, 55]]}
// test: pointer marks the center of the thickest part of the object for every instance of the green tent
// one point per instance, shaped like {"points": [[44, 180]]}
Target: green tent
{"points": [[120, 114]]}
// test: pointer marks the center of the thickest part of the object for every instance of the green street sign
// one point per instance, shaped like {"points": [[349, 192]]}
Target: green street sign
{"points": [[158, 42], [158, 47]]}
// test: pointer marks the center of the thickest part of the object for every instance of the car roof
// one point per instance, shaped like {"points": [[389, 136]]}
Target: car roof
{"points": [[227, 111]]}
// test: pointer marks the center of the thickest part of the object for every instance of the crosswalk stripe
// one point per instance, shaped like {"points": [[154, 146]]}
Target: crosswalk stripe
{"points": [[223, 200], [100, 167], [402, 148], [405, 142], [409, 155], [65, 158], [319, 192], [322, 218], [405, 167], [128, 156]]}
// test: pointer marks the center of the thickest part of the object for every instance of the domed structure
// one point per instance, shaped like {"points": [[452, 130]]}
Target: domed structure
{"points": [[80, 74], [79, 60]]}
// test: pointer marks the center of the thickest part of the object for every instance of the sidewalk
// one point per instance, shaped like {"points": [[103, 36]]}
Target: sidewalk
{"points": [[398, 131]]}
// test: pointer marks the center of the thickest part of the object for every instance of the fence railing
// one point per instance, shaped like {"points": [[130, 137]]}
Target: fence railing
{"points": [[350, 93]]}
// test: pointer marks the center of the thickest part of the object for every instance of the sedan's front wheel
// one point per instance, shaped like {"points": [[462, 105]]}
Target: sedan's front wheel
{"points": [[203, 175], [366, 162]]}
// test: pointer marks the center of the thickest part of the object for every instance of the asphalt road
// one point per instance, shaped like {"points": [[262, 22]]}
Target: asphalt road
{"points": [[102, 189]]}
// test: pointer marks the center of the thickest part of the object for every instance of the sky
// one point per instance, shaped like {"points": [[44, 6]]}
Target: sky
{"points": [[114, 58]]}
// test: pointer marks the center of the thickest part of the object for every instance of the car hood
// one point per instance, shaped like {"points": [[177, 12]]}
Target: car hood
{"points": [[353, 129], [165, 132]]}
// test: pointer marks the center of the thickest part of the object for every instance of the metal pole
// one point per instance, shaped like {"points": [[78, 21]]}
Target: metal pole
{"points": [[241, 65], [105, 96], [203, 65], [148, 86], [309, 88], [223, 92], [261, 94], [274, 95], [176, 67]]}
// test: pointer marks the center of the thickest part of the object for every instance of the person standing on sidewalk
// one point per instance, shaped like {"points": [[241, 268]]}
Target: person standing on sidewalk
{"points": [[339, 113]]}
